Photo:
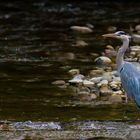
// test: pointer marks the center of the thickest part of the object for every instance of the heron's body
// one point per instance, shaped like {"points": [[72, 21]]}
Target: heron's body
{"points": [[130, 76]]}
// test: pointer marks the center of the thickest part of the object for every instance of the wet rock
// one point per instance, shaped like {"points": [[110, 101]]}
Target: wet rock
{"points": [[81, 29], [87, 83], [103, 60], [77, 79], [96, 79], [59, 82], [74, 72], [111, 29], [136, 38], [80, 43], [115, 98]]}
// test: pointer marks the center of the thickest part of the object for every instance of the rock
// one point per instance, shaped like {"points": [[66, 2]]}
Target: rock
{"points": [[77, 79], [104, 90], [115, 98], [111, 29], [87, 83], [80, 43], [59, 82], [132, 54], [136, 38], [74, 72], [96, 79], [103, 60], [107, 76], [137, 27], [110, 53], [81, 29], [102, 83], [94, 54]]}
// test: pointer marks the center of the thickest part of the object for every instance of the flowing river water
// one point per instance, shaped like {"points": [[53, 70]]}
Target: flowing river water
{"points": [[35, 38]]}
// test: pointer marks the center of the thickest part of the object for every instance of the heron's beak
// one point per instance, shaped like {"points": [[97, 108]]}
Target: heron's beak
{"points": [[109, 36]]}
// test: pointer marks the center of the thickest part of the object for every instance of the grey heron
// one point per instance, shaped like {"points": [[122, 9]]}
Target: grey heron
{"points": [[130, 76]]}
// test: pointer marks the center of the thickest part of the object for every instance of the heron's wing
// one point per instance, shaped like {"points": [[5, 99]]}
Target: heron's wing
{"points": [[130, 78]]}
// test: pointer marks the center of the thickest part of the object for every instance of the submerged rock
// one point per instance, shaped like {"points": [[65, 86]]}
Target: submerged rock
{"points": [[59, 82], [74, 72], [81, 29]]}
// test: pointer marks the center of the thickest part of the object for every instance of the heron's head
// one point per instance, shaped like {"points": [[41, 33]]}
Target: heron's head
{"points": [[118, 35]]}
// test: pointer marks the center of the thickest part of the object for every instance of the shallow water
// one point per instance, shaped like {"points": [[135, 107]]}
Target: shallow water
{"points": [[33, 39]]}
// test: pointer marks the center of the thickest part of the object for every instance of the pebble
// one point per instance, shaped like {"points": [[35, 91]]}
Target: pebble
{"points": [[77, 79], [111, 29], [118, 92], [96, 79], [137, 27], [87, 83], [115, 98], [102, 60], [59, 82], [74, 72], [86, 96], [81, 29]]}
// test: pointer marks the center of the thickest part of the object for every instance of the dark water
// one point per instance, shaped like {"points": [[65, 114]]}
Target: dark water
{"points": [[34, 35]]}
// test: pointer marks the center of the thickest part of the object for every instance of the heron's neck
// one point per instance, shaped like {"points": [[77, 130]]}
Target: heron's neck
{"points": [[121, 52]]}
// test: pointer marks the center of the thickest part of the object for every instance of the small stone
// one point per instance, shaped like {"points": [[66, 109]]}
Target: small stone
{"points": [[111, 29], [87, 83], [135, 49], [110, 47], [137, 27], [74, 72], [103, 60], [96, 79], [59, 82], [115, 98], [81, 29], [132, 54], [94, 54]]}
